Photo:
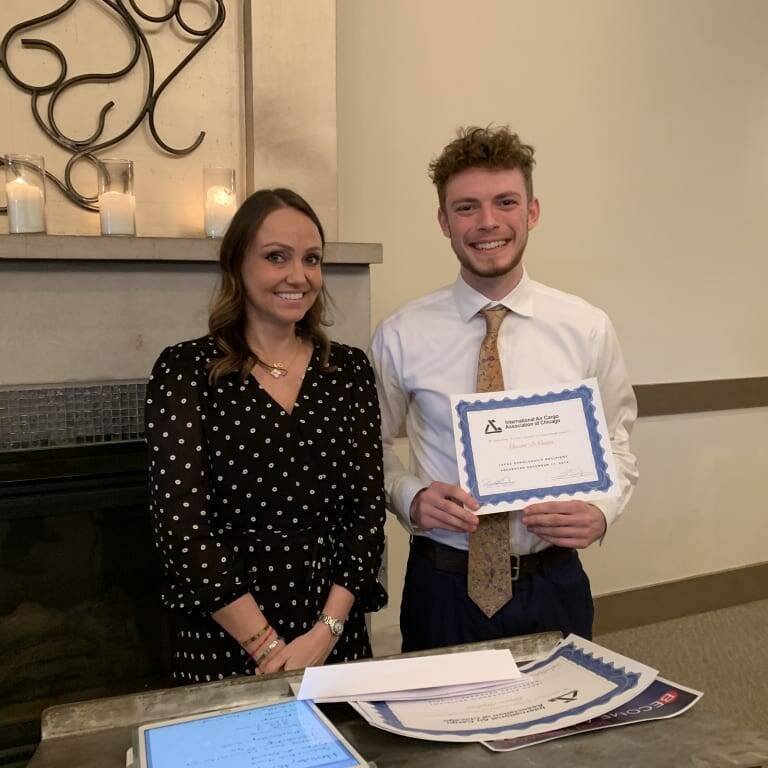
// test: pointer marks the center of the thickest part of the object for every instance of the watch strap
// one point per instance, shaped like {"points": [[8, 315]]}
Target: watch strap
{"points": [[336, 625]]}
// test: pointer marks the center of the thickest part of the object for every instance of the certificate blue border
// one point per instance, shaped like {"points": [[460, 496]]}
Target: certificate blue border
{"points": [[583, 393], [621, 680]]}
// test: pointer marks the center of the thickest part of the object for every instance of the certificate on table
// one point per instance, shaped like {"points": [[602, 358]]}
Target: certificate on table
{"points": [[578, 681], [518, 447], [661, 700]]}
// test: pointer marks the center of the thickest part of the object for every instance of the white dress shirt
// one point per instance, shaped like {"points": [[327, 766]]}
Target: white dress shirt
{"points": [[428, 349]]}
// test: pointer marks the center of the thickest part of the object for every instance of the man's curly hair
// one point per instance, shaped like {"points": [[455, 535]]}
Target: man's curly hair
{"points": [[493, 148]]}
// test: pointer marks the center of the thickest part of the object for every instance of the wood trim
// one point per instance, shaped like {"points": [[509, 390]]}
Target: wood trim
{"points": [[700, 396], [696, 396], [675, 599]]}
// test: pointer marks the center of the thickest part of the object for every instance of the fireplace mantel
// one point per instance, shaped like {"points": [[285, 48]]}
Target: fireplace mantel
{"points": [[152, 249]]}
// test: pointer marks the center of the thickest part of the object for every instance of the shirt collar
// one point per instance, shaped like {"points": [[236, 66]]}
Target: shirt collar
{"points": [[469, 302]]}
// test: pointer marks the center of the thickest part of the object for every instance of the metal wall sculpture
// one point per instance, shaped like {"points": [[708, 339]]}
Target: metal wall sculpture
{"points": [[86, 149]]}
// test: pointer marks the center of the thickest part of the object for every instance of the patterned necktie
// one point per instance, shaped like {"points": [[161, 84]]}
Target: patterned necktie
{"points": [[489, 573]]}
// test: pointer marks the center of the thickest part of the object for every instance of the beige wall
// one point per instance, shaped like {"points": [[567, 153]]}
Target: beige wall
{"points": [[206, 96], [698, 508], [285, 86], [651, 127], [293, 102], [64, 322]]}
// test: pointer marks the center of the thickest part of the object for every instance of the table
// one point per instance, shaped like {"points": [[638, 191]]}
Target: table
{"points": [[96, 734]]}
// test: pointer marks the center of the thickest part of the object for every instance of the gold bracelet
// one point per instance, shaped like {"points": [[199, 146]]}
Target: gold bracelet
{"points": [[256, 652], [271, 647], [255, 637]]}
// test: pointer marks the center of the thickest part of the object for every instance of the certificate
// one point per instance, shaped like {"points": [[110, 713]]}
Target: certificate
{"points": [[578, 681], [659, 701], [515, 448]]}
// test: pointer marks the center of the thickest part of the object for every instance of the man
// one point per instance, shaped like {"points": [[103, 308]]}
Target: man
{"points": [[428, 350]]}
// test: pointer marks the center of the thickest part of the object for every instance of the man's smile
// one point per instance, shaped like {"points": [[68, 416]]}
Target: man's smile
{"points": [[490, 245]]}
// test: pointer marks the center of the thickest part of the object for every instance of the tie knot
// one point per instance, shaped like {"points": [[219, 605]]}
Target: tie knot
{"points": [[494, 316]]}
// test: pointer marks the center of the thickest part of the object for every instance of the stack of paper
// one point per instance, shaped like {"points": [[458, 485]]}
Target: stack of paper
{"points": [[579, 686], [418, 678]]}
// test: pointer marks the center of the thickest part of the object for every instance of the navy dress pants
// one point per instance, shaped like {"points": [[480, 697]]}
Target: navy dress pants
{"points": [[436, 610]]}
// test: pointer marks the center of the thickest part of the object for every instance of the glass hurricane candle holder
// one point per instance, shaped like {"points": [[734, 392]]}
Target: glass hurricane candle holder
{"points": [[220, 199], [25, 193], [117, 204]]}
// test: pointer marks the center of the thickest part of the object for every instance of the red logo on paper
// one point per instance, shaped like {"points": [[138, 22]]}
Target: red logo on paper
{"points": [[668, 697]]}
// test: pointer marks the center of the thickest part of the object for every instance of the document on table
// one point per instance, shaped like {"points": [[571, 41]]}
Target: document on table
{"points": [[577, 681], [375, 680], [518, 447], [661, 700], [410, 694]]}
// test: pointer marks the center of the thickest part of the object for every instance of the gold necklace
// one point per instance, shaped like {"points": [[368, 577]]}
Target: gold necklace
{"points": [[277, 369]]}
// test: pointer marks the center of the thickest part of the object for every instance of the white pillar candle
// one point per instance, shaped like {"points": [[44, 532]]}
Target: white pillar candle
{"points": [[117, 211], [26, 207], [220, 207]]}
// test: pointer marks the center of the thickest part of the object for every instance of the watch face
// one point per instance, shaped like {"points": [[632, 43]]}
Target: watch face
{"points": [[335, 625]]}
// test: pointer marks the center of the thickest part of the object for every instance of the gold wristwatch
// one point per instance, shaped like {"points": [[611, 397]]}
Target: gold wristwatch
{"points": [[335, 625]]}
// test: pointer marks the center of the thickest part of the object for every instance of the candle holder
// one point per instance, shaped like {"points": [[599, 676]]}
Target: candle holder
{"points": [[220, 199], [25, 192], [117, 204]]}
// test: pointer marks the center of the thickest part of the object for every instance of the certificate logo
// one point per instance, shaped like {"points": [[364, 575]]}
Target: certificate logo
{"points": [[491, 428]]}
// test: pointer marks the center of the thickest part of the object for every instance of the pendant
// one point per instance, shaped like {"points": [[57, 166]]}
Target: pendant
{"points": [[275, 370]]}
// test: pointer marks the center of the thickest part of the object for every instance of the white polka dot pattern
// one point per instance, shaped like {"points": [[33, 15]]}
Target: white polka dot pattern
{"points": [[247, 497]]}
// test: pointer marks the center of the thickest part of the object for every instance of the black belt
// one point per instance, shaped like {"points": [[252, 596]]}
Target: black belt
{"points": [[452, 560]]}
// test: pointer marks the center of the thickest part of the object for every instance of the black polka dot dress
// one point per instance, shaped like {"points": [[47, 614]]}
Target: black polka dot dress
{"points": [[247, 497]]}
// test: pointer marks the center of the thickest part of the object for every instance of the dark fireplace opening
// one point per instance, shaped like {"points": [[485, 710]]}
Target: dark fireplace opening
{"points": [[80, 615]]}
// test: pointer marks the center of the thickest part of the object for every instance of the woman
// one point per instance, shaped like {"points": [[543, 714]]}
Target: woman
{"points": [[265, 463]]}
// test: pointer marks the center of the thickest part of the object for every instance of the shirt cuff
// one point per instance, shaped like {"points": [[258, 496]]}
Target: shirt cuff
{"points": [[610, 509], [407, 489]]}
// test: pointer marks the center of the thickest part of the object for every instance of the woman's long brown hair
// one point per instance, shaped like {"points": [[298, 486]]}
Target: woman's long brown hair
{"points": [[226, 321]]}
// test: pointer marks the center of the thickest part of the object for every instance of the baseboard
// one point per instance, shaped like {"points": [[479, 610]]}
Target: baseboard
{"points": [[675, 599]]}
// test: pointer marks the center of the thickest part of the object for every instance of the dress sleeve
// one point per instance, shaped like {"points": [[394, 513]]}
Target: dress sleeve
{"points": [[360, 542], [204, 573]]}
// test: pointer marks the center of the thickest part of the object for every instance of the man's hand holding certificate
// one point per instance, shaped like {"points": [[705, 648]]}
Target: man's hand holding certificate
{"points": [[523, 447]]}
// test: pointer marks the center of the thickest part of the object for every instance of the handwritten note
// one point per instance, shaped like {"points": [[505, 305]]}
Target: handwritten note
{"points": [[285, 735]]}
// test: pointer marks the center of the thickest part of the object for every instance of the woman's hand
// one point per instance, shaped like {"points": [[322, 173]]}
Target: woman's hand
{"points": [[308, 650]]}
